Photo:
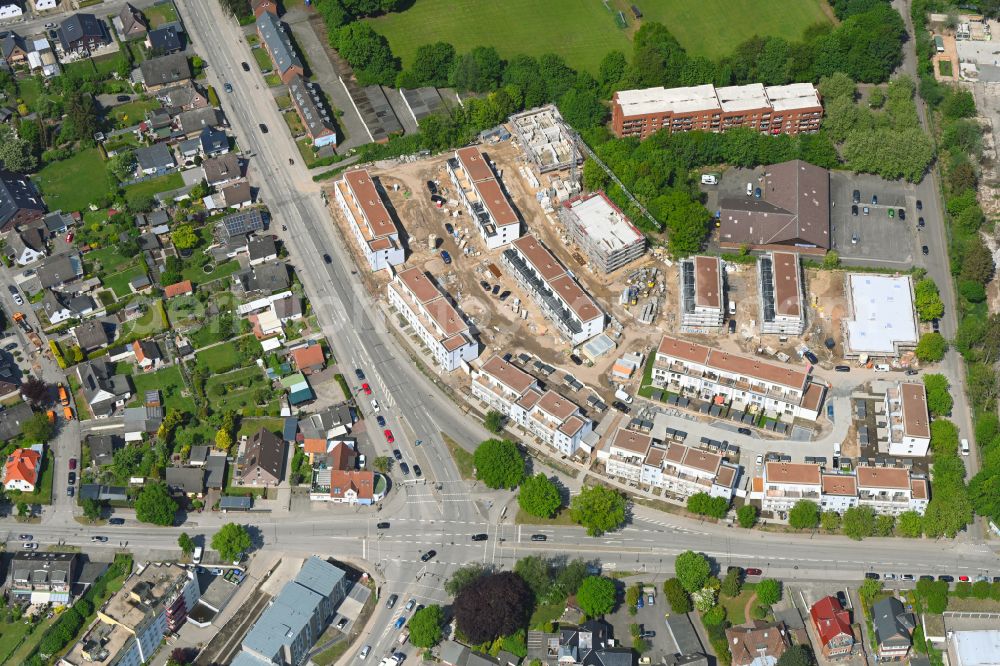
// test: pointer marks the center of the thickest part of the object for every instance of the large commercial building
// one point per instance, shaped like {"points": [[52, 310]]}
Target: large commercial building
{"points": [[561, 299], [880, 319], [439, 324], [792, 213], [887, 490], [680, 470], [782, 304], [907, 419], [153, 603], [701, 297], [518, 396], [749, 382], [296, 618], [484, 198], [373, 228], [606, 236], [787, 109]]}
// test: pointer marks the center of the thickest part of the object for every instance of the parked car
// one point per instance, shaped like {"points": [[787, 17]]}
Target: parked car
{"points": [[245, 66], [428, 556], [445, 257], [388, 436], [539, 537]]}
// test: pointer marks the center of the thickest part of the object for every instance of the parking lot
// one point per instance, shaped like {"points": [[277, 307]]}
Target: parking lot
{"points": [[881, 240]]}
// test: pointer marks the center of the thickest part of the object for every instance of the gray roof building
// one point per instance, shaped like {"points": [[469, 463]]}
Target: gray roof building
{"points": [[20, 202], [12, 418], [275, 36], [297, 617], [165, 70]]}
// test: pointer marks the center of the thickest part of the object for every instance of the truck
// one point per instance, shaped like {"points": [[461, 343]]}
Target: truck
{"points": [[63, 396]]}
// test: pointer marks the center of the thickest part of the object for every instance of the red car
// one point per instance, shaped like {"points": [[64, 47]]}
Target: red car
{"points": [[964, 579], [72, 463], [388, 436], [751, 571], [367, 389]]}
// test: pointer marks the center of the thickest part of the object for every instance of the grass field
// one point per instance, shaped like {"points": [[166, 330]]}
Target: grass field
{"points": [[72, 184], [583, 31], [713, 27]]}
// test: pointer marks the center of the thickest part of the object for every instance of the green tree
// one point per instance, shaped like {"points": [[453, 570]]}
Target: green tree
{"points": [[493, 422], [927, 300], [37, 428], [91, 509], [859, 522], [596, 596], [425, 626], [804, 515], [768, 591], [939, 400], [185, 543], [155, 505], [231, 540], [499, 464], [747, 516], [184, 237], [538, 496], [676, 596], [599, 509], [692, 570], [931, 347]]}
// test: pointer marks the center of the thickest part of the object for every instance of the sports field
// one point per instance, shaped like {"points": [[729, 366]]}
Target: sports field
{"points": [[582, 31]]}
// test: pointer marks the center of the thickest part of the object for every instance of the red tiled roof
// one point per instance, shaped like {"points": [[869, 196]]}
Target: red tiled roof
{"points": [[22, 465], [178, 289], [308, 356]]}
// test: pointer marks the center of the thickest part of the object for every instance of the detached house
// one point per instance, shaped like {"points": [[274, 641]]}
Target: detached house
{"points": [[82, 34], [22, 468]]}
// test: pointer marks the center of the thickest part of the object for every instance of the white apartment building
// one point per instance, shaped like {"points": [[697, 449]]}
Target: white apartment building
{"points": [[438, 323], [887, 490], [517, 395], [131, 626], [484, 198], [680, 470], [907, 419], [373, 228], [782, 306], [561, 299], [701, 298], [747, 381], [602, 231]]}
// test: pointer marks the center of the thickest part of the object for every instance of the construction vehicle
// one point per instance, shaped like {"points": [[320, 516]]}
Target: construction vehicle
{"points": [[63, 396], [22, 321]]}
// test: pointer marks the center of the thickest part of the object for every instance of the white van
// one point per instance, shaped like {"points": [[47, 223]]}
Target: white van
{"points": [[882, 367], [965, 447], [709, 179]]}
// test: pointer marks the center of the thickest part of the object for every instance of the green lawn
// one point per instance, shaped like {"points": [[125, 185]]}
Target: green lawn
{"points": [[70, 185], [220, 358], [581, 31], [170, 181], [169, 382], [199, 276], [118, 282], [713, 28]]}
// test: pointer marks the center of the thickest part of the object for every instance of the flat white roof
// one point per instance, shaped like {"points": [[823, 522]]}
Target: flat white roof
{"points": [[976, 648], [742, 98], [793, 96], [604, 223], [883, 314], [678, 100]]}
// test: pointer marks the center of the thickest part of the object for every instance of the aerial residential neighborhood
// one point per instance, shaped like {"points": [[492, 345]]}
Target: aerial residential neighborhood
{"points": [[565, 333]]}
